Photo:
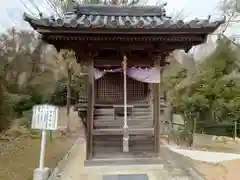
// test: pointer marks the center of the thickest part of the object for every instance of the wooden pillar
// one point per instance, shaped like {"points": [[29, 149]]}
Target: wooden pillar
{"points": [[90, 109], [156, 109]]}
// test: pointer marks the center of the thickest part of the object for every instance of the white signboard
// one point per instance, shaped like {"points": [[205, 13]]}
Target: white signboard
{"points": [[45, 117]]}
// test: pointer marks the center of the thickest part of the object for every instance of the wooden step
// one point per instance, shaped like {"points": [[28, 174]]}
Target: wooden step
{"points": [[104, 106], [113, 149], [120, 126], [105, 146], [141, 137], [137, 138], [111, 118], [143, 140], [119, 148], [120, 131], [119, 137], [138, 108], [102, 113], [119, 118], [96, 116], [118, 143], [112, 109], [107, 149], [119, 123], [103, 109], [110, 112], [142, 105], [137, 105], [108, 116], [133, 145], [139, 117], [141, 112], [129, 121]]}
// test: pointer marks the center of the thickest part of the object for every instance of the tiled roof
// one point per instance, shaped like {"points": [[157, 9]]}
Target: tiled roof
{"points": [[119, 17]]}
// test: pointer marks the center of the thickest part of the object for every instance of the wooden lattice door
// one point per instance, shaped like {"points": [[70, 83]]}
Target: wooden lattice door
{"points": [[110, 88]]}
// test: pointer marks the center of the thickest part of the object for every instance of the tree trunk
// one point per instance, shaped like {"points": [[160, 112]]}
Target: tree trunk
{"points": [[5, 74], [235, 130], [69, 74], [194, 131]]}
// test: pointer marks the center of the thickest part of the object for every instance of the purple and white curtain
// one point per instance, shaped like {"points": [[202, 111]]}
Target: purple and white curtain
{"points": [[146, 75]]}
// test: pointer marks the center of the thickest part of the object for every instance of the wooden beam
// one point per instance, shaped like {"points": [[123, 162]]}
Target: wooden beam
{"points": [[167, 36], [90, 109], [115, 62], [133, 46], [165, 44]]}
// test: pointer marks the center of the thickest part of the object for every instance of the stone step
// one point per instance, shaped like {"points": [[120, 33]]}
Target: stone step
{"points": [[127, 162]]}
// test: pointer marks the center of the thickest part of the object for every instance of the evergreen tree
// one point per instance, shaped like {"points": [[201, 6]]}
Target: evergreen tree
{"points": [[4, 107], [211, 94]]}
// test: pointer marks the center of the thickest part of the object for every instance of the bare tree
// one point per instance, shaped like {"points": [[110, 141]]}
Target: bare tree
{"points": [[230, 5], [231, 10], [67, 58]]}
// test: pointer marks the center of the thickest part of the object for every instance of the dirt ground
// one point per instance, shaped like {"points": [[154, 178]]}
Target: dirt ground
{"points": [[227, 170], [18, 158]]}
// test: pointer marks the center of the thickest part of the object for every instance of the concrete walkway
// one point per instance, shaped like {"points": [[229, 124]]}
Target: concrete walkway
{"points": [[74, 169], [205, 156]]}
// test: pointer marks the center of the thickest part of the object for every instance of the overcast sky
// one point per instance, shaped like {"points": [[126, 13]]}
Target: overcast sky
{"points": [[11, 10]]}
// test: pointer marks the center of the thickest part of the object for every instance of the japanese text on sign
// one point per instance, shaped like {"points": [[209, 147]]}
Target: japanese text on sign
{"points": [[45, 117]]}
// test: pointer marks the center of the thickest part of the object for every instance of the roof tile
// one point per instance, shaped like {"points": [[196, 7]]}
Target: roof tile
{"points": [[112, 17]]}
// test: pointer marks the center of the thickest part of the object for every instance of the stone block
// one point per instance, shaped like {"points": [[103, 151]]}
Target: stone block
{"points": [[41, 174]]}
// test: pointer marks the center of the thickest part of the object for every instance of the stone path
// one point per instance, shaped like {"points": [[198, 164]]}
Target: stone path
{"points": [[205, 156], [74, 169]]}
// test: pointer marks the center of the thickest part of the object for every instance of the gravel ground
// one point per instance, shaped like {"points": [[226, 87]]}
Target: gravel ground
{"points": [[174, 162]]}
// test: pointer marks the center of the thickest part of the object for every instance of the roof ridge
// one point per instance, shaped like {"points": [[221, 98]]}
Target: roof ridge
{"points": [[120, 10], [122, 6]]}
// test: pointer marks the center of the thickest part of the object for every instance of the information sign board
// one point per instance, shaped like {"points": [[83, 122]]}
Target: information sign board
{"points": [[45, 117]]}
